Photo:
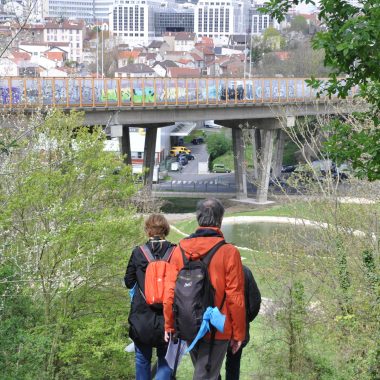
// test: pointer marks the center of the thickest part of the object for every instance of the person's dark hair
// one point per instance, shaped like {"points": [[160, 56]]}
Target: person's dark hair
{"points": [[210, 213], [157, 225]]}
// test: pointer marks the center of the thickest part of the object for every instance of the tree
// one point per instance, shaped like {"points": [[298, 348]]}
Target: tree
{"points": [[299, 24], [351, 41], [66, 224], [218, 144], [358, 145]]}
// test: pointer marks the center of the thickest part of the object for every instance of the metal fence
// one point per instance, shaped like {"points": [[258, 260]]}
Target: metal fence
{"points": [[17, 92]]}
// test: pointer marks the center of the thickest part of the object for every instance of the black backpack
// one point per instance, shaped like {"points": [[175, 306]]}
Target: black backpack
{"points": [[252, 295], [193, 294]]}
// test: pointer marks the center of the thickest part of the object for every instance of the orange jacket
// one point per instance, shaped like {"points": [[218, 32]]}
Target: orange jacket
{"points": [[226, 275]]}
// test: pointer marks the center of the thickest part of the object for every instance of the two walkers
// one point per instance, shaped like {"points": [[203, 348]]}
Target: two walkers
{"points": [[226, 277]]}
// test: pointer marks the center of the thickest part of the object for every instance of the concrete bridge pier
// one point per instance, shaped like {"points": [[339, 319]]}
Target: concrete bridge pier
{"points": [[239, 163], [149, 155], [264, 134], [265, 163], [256, 147], [278, 153], [238, 147], [125, 145]]}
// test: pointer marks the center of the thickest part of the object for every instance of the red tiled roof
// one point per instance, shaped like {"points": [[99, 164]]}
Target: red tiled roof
{"points": [[184, 72], [20, 56], [128, 54], [207, 41], [282, 55], [54, 55], [184, 61]]}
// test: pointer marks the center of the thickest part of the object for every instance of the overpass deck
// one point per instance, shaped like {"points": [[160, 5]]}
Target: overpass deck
{"points": [[127, 93]]}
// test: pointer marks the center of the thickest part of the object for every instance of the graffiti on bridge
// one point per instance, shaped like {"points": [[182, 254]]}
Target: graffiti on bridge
{"points": [[98, 92]]}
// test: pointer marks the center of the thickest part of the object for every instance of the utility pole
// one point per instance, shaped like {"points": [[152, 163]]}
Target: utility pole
{"points": [[97, 52], [245, 54], [250, 52], [102, 51]]}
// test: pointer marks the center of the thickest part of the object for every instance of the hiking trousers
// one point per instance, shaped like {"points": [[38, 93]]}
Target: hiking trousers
{"points": [[199, 356]]}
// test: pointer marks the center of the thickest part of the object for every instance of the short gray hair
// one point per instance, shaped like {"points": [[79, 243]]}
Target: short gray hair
{"points": [[210, 213]]}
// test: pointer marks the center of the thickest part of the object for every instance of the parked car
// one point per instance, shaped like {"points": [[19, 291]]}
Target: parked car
{"points": [[220, 168], [343, 171], [197, 141], [182, 160], [288, 169], [189, 156], [181, 149]]}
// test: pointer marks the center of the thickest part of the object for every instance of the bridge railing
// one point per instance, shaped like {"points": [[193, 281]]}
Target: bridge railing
{"points": [[23, 92]]}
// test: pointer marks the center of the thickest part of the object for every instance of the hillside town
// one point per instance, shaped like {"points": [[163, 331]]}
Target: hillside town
{"points": [[149, 38]]}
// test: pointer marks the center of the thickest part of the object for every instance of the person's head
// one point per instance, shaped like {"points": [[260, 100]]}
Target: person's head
{"points": [[157, 225], [210, 213]]}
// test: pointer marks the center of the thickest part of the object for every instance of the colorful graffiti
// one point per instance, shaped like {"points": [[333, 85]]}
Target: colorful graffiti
{"points": [[83, 92]]}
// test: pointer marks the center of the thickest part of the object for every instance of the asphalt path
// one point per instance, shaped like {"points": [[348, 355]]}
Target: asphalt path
{"points": [[190, 171]]}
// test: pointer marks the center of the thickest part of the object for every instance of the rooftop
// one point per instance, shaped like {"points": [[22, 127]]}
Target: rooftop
{"points": [[135, 68]]}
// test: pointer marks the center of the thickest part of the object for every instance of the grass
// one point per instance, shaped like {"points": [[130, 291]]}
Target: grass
{"points": [[228, 158]]}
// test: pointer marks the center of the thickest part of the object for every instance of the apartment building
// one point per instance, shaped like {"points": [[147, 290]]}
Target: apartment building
{"points": [[219, 19], [132, 21], [70, 32]]}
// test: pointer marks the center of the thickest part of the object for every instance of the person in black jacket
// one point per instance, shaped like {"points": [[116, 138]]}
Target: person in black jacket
{"points": [[252, 308], [147, 321]]}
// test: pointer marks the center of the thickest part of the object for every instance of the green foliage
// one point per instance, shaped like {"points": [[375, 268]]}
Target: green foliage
{"points": [[289, 153], [257, 52], [299, 24], [360, 145], [95, 349], [20, 336], [270, 32], [217, 145], [351, 42], [66, 225], [350, 30]]}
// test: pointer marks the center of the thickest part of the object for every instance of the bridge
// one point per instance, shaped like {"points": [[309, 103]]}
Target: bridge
{"points": [[265, 105]]}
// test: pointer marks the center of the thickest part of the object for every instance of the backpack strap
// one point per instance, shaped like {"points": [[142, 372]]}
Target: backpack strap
{"points": [[210, 254], [168, 253], [147, 252], [207, 257], [184, 258]]}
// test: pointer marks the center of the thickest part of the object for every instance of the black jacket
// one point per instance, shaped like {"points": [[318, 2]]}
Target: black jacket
{"points": [[252, 299], [146, 323]]}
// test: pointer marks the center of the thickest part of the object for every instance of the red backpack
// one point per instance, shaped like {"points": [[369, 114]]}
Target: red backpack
{"points": [[157, 271]]}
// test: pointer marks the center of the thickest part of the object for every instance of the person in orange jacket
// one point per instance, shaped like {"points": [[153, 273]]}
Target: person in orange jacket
{"points": [[227, 278]]}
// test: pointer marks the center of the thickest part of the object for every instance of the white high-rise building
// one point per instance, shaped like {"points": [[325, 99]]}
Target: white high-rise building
{"points": [[71, 9], [259, 22], [102, 9], [219, 19], [132, 21]]}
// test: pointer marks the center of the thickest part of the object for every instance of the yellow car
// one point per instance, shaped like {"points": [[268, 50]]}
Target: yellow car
{"points": [[181, 149]]}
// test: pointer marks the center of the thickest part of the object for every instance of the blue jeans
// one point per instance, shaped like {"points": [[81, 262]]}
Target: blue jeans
{"points": [[143, 357]]}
